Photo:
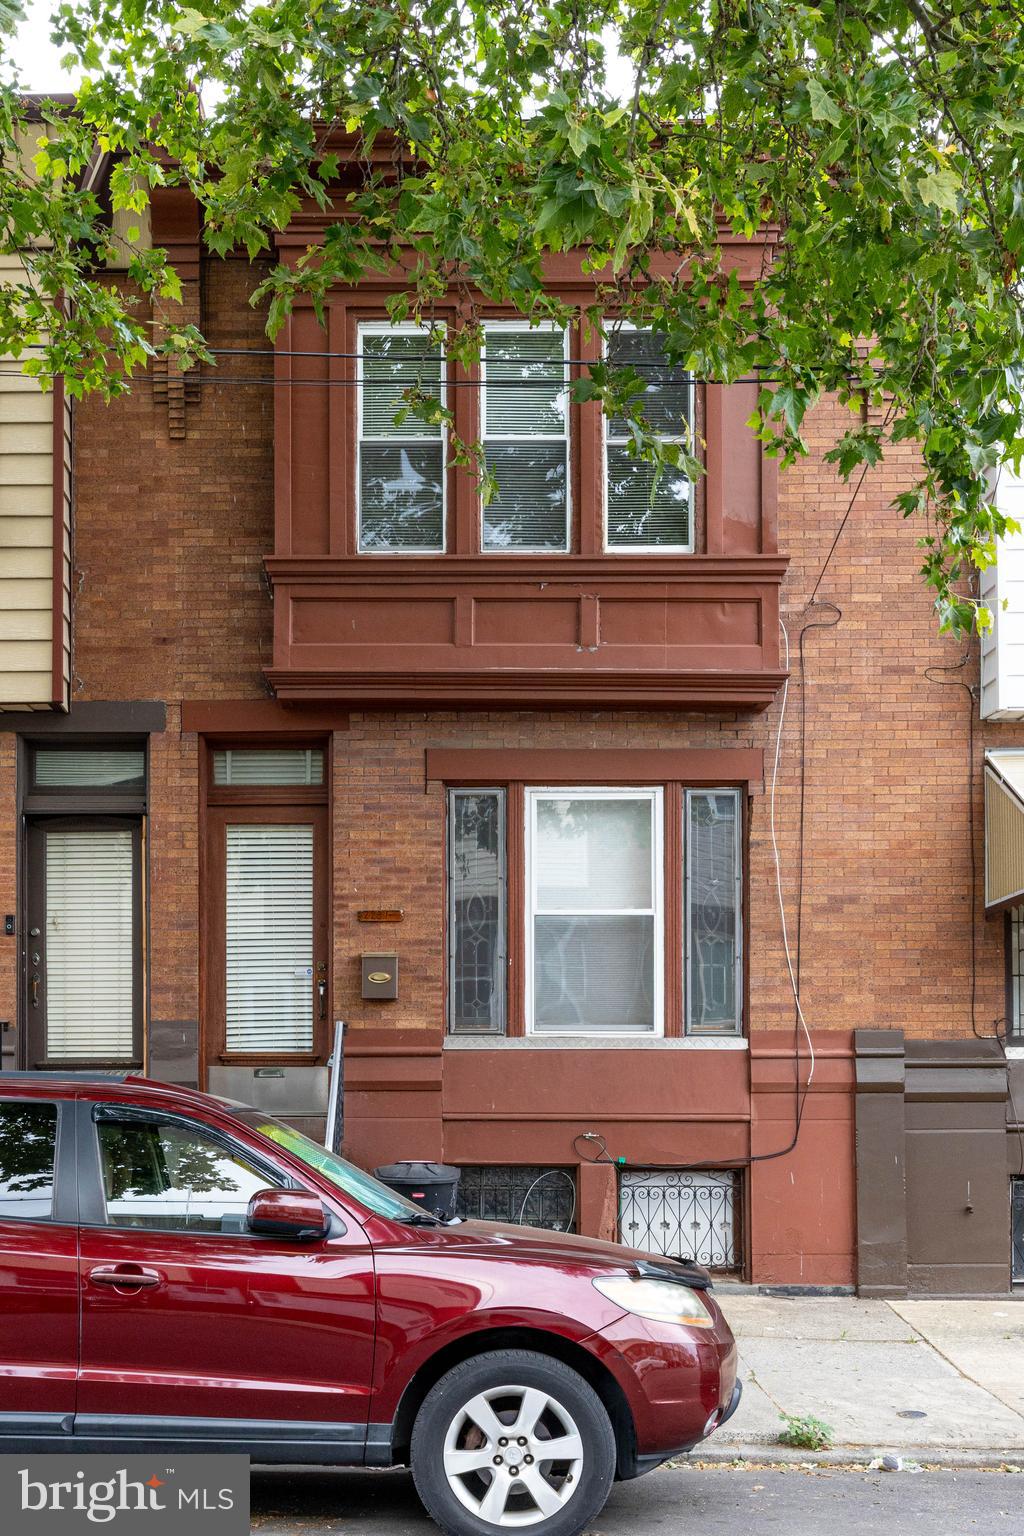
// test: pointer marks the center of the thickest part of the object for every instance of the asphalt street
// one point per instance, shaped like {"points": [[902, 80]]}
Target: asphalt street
{"points": [[691, 1501]]}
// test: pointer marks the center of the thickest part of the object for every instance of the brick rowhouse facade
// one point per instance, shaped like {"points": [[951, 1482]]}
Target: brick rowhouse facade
{"points": [[174, 614]]}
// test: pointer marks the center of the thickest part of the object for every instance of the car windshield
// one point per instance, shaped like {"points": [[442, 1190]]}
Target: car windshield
{"points": [[370, 1192]]}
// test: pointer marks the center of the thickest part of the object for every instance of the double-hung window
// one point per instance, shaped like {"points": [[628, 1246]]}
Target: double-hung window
{"points": [[645, 508], [401, 471], [525, 434], [579, 922], [593, 937]]}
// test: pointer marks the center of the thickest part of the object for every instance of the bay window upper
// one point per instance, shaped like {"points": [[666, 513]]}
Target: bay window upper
{"points": [[509, 547]]}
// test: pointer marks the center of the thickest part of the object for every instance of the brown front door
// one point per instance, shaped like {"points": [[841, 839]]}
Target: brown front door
{"points": [[267, 982], [83, 951]]}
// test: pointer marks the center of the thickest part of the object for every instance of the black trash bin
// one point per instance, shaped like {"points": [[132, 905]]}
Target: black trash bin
{"points": [[435, 1186]]}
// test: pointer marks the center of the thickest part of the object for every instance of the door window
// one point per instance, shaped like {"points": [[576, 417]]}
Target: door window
{"points": [[28, 1146], [174, 1178]]}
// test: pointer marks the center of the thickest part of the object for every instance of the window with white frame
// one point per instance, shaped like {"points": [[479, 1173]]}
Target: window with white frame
{"points": [[400, 476], [525, 434], [594, 937], [645, 509]]}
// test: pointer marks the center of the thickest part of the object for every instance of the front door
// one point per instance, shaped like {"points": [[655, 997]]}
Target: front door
{"points": [[83, 948], [188, 1315], [38, 1266], [267, 967]]}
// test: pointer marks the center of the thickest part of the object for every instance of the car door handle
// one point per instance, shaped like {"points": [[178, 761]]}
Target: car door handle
{"points": [[126, 1278]]}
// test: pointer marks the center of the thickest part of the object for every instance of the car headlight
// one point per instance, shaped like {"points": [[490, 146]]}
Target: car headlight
{"points": [[663, 1301]]}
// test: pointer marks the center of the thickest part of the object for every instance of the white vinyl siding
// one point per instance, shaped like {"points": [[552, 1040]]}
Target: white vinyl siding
{"points": [[90, 952], [594, 932], [641, 511], [269, 938], [400, 476], [525, 431]]}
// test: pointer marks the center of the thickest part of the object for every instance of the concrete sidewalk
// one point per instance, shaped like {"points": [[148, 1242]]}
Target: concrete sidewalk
{"points": [[931, 1380]]}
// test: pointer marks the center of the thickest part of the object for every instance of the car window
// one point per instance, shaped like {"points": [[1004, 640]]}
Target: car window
{"points": [[28, 1147], [174, 1178]]}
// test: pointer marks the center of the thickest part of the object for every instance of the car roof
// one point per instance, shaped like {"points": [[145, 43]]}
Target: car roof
{"points": [[130, 1085]]}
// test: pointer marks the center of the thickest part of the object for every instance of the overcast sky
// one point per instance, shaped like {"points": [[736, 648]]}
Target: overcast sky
{"points": [[36, 59]]}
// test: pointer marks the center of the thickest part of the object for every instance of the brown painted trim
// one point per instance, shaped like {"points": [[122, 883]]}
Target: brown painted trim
{"points": [[444, 568], [587, 765], [243, 717], [530, 690], [100, 718], [58, 696], [998, 908]]}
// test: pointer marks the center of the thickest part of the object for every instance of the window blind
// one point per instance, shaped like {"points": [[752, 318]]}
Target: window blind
{"points": [[269, 938], [88, 767], [90, 969], [268, 765], [526, 438], [401, 464], [646, 509]]}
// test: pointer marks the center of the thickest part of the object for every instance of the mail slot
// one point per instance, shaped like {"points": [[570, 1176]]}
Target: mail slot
{"points": [[380, 976]]}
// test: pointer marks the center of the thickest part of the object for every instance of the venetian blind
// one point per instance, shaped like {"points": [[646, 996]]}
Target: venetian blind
{"points": [[401, 463], [646, 509], [526, 439], [269, 938], [89, 944]]}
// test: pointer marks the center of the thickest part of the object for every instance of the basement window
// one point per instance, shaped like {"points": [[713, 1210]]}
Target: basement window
{"points": [[524, 1194]]}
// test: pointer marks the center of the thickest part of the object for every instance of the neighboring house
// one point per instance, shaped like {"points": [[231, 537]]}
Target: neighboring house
{"points": [[331, 719]]}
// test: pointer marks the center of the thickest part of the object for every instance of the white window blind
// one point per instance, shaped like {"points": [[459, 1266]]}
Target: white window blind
{"points": [[401, 481], [645, 510], [526, 437], [89, 767], [269, 765], [594, 929], [269, 938], [89, 944]]}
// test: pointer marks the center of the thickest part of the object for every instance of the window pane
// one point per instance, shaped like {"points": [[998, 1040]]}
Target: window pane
{"points": [[526, 383], [172, 1178], [90, 944], [1016, 941], [713, 909], [593, 974], [530, 507], [391, 364], [476, 913], [269, 765], [85, 768], [593, 855], [401, 496], [28, 1145], [643, 513], [269, 935], [665, 394]]}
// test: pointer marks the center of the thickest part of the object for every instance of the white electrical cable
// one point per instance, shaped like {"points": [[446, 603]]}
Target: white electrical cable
{"points": [[778, 863]]}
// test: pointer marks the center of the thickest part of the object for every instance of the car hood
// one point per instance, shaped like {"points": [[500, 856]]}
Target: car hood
{"points": [[498, 1240]]}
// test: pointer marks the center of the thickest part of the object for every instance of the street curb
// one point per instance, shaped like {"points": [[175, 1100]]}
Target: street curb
{"points": [[854, 1455]]}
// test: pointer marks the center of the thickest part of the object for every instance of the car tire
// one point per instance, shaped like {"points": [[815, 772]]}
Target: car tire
{"points": [[512, 1403]]}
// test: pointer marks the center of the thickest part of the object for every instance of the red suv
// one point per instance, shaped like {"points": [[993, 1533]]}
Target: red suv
{"points": [[180, 1271]]}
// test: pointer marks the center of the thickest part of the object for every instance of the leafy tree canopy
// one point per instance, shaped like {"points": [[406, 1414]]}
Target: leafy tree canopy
{"points": [[884, 139]]}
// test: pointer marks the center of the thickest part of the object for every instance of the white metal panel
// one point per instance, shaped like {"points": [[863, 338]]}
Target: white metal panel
{"points": [[89, 944], [269, 937]]}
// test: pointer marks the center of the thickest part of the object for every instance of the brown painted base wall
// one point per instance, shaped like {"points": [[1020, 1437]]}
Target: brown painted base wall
{"points": [[663, 1106]]}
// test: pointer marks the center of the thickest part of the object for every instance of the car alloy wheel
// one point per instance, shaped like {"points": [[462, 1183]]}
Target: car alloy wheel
{"points": [[513, 1456]]}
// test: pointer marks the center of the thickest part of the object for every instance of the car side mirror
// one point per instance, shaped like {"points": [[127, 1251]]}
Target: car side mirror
{"points": [[289, 1213]]}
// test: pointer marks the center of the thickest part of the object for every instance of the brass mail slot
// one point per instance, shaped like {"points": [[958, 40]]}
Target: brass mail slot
{"points": [[380, 976]]}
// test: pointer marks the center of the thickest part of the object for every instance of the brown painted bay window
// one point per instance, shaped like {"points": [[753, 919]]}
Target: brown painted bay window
{"points": [[602, 911], [531, 438]]}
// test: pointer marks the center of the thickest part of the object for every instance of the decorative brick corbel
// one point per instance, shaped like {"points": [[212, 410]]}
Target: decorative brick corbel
{"points": [[177, 228]]}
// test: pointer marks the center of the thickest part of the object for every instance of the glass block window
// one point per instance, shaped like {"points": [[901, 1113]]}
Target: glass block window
{"points": [[644, 510], [400, 475], [525, 432], [250, 766], [594, 929], [713, 910], [89, 767], [528, 1196], [477, 942]]}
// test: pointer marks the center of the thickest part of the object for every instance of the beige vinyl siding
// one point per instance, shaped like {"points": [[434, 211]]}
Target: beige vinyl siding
{"points": [[27, 580]]}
